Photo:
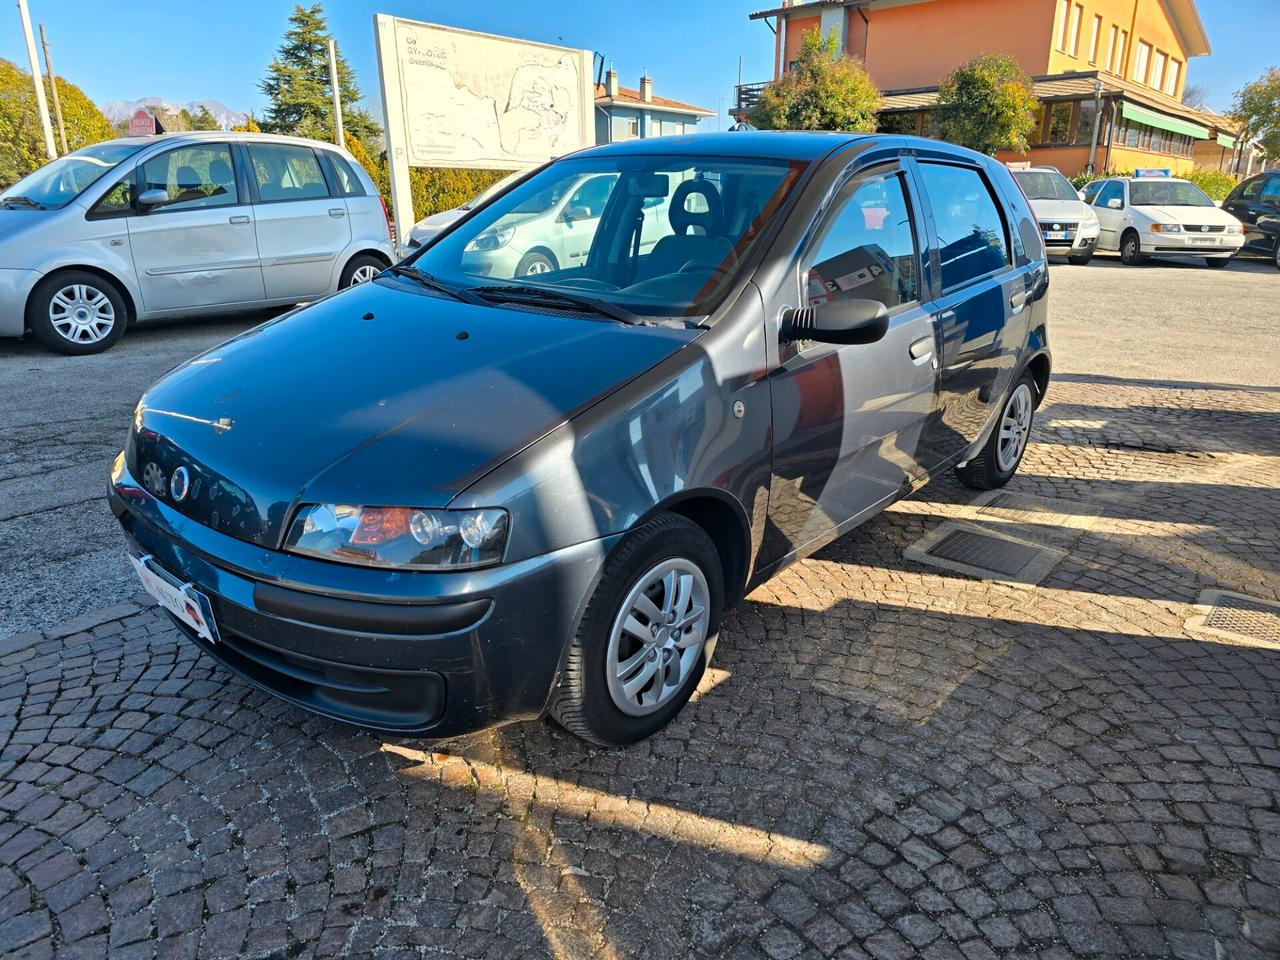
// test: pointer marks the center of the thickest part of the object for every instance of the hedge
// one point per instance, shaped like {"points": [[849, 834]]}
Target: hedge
{"points": [[1213, 182]]}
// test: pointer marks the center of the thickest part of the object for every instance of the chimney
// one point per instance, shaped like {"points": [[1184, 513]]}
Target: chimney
{"points": [[646, 88], [611, 83]]}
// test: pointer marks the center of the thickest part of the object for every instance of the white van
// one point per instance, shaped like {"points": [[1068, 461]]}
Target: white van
{"points": [[182, 224]]}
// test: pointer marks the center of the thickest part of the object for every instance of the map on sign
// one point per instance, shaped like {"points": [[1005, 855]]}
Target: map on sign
{"points": [[460, 99]]}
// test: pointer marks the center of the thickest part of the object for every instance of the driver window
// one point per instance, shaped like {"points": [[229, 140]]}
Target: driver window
{"points": [[866, 249], [1112, 191]]}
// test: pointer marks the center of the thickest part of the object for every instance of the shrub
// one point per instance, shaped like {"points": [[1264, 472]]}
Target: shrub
{"points": [[826, 91], [1213, 182], [987, 104]]}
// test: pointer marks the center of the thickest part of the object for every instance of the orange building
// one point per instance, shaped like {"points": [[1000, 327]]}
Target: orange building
{"points": [[1109, 73]]}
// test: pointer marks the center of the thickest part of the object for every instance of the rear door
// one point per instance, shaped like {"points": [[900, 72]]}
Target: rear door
{"points": [[302, 225], [367, 219], [1110, 219], [199, 249], [979, 310]]}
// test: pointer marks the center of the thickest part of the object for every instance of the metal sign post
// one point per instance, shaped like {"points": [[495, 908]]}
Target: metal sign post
{"points": [[338, 136], [42, 106]]}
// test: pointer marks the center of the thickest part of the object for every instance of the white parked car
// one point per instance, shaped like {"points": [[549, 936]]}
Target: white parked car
{"points": [[181, 225], [1068, 224], [428, 227], [1162, 216]]}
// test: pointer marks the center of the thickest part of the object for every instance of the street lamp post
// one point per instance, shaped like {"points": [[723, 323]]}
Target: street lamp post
{"points": [[1097, 125]]}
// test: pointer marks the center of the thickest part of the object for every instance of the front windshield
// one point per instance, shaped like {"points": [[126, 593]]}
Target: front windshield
{"points": [[655, 235], [1045, 185], [58, 183], [1167, 193]]}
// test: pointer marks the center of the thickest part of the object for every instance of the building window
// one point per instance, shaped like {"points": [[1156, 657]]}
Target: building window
{"points": [[1121, 51], [1095, 39], [1064, 17], [1142, 62], [1073, 37], [1172, 77], [1085, 114], [1060, 123], [1157, 69], [631, 128], [1111, 48]]}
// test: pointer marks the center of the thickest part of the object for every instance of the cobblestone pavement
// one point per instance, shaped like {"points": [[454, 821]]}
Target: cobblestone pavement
{"points": [[886, 760]]}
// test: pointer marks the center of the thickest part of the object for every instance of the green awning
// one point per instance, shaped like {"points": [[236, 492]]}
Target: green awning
{"points": [[1225, 141], [1131, 111]]}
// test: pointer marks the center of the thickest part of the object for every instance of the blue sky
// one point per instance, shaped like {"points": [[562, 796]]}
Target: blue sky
{"points": [[123, 51]]}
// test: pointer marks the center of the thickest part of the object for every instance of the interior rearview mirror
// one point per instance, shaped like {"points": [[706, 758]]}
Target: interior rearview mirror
{"points": [[836, 321], [150, 199], [1115, 203]]}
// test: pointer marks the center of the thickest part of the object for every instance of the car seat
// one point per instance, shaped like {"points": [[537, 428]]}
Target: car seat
{"points": [[672, 253]]}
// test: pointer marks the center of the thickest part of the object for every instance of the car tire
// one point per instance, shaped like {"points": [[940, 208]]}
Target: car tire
{"points": [[606, 656], [360, 269], [1131, 249], [535, 262], [77, 313], [1218, 262], [1275, 256], [1080, 260], [998, 461]]}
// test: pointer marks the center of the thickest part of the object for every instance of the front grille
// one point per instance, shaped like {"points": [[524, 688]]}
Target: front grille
{"points": [[1058, 225], [1206, 228]]}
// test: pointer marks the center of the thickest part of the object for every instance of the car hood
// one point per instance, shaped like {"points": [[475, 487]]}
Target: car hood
{"points": [[1070, 210], [381, 395], [430, 226], [1193, 216]]}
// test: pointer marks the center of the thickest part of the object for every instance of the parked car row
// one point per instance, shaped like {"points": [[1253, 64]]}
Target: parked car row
{"points": [[182, 224]]}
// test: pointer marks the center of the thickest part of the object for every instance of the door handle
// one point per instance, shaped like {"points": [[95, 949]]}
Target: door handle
{"points": [[239, 218], [337, 212], [920, 349], [1017, 300]]}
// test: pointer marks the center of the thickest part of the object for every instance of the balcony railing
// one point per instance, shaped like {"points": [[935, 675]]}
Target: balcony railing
{"points": [[748, 95]]}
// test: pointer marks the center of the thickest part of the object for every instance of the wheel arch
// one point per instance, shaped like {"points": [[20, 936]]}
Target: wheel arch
{"points": [[130, 304], [1040, 366], [725, 521]]}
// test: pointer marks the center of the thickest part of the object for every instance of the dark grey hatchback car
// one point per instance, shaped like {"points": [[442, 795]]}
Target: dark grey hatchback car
{"points": [[455, 497]]}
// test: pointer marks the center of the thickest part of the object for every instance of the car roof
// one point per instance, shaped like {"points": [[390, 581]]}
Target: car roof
{"points": [[802, 145], [1151, 179], [194, 136]]}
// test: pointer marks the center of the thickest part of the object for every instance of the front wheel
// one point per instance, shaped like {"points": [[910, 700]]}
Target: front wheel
{"points": [[1131, 250], [646, 636], [1000, 456], [534, 263], [77, 313]]}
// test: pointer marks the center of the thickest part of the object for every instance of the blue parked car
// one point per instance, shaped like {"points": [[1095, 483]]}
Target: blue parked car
{"points": [[458, 496]]}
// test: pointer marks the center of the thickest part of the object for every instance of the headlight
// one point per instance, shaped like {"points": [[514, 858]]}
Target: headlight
{"points": [[1166, 228], [402, 537], [491, 240], [1234, 228]]}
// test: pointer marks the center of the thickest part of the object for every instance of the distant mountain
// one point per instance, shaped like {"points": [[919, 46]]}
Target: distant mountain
{"points": [[117, 110]]}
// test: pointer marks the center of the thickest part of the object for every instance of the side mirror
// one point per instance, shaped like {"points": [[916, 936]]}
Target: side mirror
{"points": [[1115, 203], [574, 214], [837, 321], [1080, 194], [150, 199]]}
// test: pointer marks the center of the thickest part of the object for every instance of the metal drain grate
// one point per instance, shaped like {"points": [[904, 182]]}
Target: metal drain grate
{"points": [[1239, 617], [983, 554], [985, 551]]}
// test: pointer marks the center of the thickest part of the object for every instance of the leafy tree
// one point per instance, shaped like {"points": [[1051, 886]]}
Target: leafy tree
{"points": [[204, 120], [827, 90], [21, 139], [297, 84], [1257, 108], [250, 125], [987, 104]]}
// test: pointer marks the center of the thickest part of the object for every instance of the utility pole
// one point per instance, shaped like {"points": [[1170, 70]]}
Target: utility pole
{"points": [[53, 88], [41, 104], [338, 136]]}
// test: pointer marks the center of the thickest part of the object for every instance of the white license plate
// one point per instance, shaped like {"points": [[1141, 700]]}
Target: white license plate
{"points": [[1056, 235], [181, 599], [1205, 241]]}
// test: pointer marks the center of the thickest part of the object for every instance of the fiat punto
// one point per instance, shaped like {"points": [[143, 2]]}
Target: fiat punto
{"points": [[443, 499]]}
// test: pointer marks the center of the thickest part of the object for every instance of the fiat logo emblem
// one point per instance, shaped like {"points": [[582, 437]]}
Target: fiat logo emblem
{"points": [[179, 484]]}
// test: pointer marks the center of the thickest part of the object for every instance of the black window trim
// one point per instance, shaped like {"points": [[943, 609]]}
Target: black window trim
{"points": [[255, 193], [189, 145], [1001, 212]]}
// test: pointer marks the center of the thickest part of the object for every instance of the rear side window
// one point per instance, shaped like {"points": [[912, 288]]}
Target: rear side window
{"points": [[866, 249], [1091, 191], [286, 172], [348, 183], [971, 231]]}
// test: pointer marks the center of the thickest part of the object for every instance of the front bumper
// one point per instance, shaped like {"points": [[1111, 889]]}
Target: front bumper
{"points": [[15, 288], [1193, 244], [440, 654]]}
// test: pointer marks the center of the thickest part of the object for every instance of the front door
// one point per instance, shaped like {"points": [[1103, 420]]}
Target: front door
{"points": [[982, 301], [1254, 202], [199, 249], [302, 230], [581, 218], [847, 419]]}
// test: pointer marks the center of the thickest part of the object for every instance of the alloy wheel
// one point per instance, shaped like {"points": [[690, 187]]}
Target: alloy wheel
{"points": [[81, 313], [364, 273], [536, 267], [658, 636], [1015, 428]]}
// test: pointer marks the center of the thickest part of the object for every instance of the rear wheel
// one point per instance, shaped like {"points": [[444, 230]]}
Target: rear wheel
{"points": [[1000, 456], [361, 268], [646, 635], [77, 313], [1131, 249]]}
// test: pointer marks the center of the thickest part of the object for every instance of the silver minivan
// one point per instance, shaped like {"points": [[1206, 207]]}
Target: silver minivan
{"points": [[180, 225]]}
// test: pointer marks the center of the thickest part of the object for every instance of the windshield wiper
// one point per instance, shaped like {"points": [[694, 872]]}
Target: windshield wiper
{"points": [[22, 202], [432, 283], [541, 296]]}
